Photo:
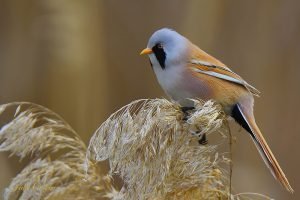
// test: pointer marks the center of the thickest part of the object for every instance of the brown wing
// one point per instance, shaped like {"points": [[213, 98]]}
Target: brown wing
{"points": [[201, 62]]}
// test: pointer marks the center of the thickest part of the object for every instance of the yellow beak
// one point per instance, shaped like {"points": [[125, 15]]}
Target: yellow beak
{"points": [[146, 51]]}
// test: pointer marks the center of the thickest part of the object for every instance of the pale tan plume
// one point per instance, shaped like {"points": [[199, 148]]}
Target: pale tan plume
{"points": [[264, 150]]}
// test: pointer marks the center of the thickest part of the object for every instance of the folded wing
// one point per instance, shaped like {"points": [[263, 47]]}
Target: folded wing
{"points": [[222, 72]]}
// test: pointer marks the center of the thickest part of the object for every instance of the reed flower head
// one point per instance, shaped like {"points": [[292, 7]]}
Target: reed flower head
{"points": [[56, 152], [150, 144], [156, 152]]}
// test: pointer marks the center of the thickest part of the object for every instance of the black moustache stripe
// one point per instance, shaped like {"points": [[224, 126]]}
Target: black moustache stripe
{"points": [[160, 55]]}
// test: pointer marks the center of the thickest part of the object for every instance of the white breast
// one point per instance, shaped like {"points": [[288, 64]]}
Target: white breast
{"points": [[169, 79], [173, 82]]}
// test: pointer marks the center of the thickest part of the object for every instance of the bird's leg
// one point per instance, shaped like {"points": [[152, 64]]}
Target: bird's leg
{"points": [[202, 137]]}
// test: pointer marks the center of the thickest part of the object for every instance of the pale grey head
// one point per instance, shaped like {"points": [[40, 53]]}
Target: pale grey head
{"points": [[168, 47]]}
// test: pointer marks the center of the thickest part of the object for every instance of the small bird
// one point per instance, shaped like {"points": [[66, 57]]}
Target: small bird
{"points": [[184, 71]]}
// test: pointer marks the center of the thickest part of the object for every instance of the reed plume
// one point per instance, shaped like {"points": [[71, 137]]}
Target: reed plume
{"points": [[150, 144], [57, 156]]}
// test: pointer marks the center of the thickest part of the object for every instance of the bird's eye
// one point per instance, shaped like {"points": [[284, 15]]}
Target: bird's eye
{"points": [[160, 46]]}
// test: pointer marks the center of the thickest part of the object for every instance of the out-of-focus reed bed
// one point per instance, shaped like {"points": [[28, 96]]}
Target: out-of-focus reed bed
{"points": [[150, 144]]}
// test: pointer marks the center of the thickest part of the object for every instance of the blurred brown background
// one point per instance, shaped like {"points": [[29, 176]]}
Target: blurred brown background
{"points": [[81, 59]]}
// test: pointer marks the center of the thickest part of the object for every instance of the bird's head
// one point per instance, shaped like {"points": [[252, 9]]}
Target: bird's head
{"points": [[166, 47]]}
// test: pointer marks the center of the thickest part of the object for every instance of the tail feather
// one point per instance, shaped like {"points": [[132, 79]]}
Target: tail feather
{"points": [[246, 120]]}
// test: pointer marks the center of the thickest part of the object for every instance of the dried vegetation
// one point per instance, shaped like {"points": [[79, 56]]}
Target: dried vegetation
{"points": [[148, 143]]}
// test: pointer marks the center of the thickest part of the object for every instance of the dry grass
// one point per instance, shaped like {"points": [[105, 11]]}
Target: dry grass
{"points": [[147, 143]]}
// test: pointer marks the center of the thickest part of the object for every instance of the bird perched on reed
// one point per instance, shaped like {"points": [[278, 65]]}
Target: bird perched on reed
{"points": [[184, 71]]}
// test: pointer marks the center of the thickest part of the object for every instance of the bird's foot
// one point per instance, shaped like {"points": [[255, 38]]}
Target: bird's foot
{"points": [[203, 140], [202, 137], [185, 111]]}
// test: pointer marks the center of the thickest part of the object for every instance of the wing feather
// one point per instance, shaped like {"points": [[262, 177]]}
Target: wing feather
{"points": [[222, 72]]}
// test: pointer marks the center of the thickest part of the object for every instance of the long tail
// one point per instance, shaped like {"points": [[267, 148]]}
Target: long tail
{"points": [[246, 119]]}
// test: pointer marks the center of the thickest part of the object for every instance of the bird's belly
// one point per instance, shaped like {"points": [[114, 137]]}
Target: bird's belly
{"points": [[183, 91], [181, 86]]}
